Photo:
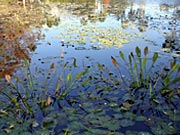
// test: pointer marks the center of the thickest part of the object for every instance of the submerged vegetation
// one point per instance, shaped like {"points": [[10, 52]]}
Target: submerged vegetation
{"points": [[95, 100], [127, 93]]}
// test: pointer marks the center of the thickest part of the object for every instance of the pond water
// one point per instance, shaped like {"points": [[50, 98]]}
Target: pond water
{"points": [[101, 30], [80, 77]]}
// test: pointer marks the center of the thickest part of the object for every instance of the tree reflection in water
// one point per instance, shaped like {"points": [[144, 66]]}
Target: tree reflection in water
{"points": [[16, 38], [172, 39]]}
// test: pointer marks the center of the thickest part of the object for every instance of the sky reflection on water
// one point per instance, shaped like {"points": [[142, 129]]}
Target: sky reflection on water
{"points": [[151, 21]]}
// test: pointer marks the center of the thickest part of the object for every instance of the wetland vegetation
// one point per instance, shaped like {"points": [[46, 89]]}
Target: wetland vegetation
{"points": [[102, 67]]}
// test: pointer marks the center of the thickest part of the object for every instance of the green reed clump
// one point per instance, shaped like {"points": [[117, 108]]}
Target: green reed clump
{"points": [[37, 93], [143, 71], [44, 100]]}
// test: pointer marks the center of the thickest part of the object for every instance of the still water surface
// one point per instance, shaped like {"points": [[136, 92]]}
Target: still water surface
{"points": [[126, 25], [100, 29], [89, 34]]}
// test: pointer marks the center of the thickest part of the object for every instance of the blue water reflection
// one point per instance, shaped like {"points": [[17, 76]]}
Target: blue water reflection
{"points": [[95, 32], [145, 24]]}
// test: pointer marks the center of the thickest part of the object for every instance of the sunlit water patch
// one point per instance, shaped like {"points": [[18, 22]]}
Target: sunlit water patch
{"points": [[103, 33]]}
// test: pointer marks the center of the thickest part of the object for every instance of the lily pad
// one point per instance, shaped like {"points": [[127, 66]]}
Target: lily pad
{"points": [[126, 123], [49, 122], [111, 125], [96, 132], [144, 133], [76, 126], [164, 129], [140, 118]]}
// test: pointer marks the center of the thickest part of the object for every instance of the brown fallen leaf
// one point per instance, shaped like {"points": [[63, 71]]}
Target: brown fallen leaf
{"points": [[114, 61], [8, 78], [48, 101]]}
